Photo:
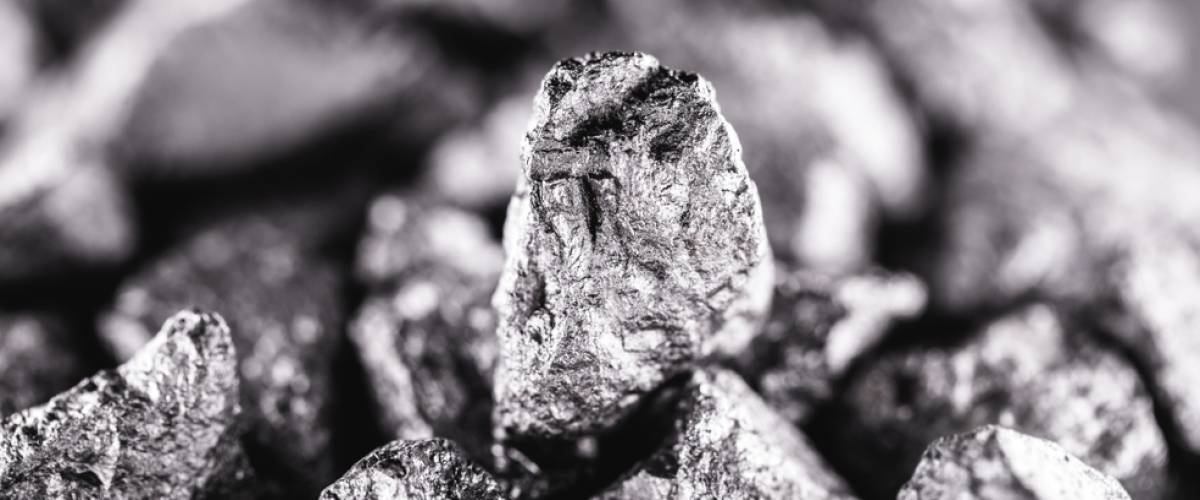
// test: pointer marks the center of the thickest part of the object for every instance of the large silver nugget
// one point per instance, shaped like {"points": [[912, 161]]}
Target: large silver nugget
{"points": [[635, 245]]}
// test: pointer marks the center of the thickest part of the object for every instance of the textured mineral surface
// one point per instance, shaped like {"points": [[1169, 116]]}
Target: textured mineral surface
{"points": [[819, 325], [160, 426], [426, 333], [997, 463], [635, 245], [726, 443], [38, 359], [429, 468], [1024, 371], [284, 306]]}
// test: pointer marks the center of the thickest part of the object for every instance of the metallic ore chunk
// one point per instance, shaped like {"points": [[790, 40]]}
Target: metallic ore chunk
{"points": [[284, 306], [635, 245], [993, 463], [159, 426], [728, 444], [430, 468], [1023, 372], [38, 359], [819, 325], [427, 340]]}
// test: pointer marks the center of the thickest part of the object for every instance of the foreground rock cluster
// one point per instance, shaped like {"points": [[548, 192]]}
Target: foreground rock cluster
{"points": [[913, 249]]}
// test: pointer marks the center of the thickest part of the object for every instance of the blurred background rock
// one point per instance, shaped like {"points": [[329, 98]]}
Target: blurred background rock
{"points": [[1005, 153]]}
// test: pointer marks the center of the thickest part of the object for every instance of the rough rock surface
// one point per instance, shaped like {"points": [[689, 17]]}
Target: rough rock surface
{"points": [[284, 306], [430, 468], [997, 463], [635, 245], [38, 359], [426, 334], [727, 443], [819, 325], [1022, 371], [160, 426]]}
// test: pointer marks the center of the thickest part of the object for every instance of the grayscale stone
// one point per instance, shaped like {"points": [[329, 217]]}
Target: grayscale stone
{"points": [[38, 359], [429, 468], [285, 307], [426, 333], [727, 443], [635, 245], [819, 325], [992, 463], [163, 425], [1022, 371]]}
